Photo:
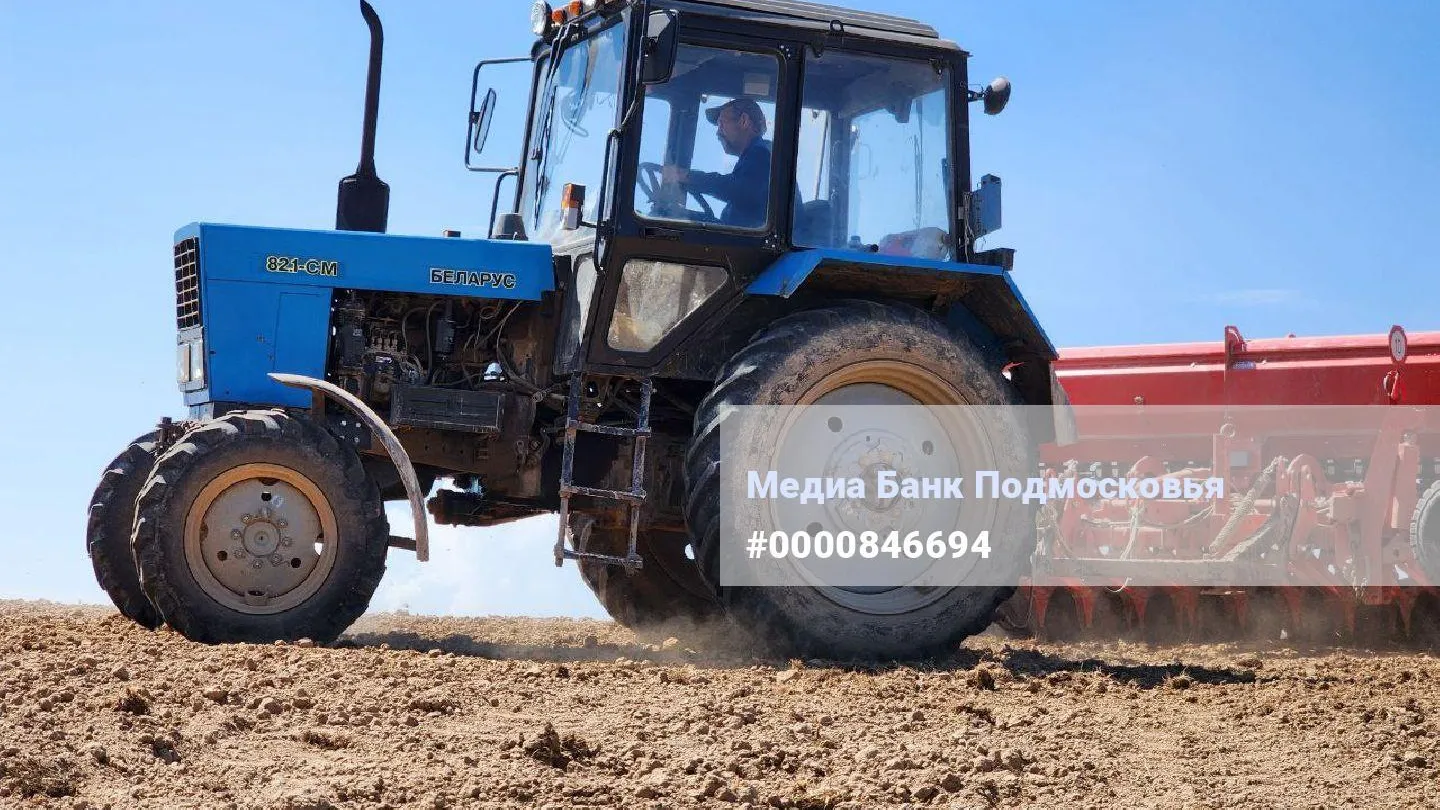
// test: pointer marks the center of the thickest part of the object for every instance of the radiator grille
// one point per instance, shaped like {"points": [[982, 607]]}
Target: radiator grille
{"points": [[187, 283]]}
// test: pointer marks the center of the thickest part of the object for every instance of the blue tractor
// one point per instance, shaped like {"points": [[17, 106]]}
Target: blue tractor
{"points": [[718, 203]]}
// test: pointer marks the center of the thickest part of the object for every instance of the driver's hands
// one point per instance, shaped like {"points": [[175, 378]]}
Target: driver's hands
{"points": [[674, 174]]}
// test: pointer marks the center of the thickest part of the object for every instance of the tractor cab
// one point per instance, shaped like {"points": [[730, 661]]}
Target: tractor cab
{"points": [[677, 150]]}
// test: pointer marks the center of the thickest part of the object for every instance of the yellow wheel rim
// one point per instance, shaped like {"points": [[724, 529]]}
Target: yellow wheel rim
{"points": [[260, 538]]}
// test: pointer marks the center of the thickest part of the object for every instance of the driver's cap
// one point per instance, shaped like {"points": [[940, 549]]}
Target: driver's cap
{"points": [[741, 106]]}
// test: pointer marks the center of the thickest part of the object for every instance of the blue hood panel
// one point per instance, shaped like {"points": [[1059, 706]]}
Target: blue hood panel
{"points": [[483, 268], [265, 295]]}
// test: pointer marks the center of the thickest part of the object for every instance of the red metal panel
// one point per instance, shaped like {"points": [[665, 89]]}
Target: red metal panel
{"points": [[1344, 370], [1373, 508]]}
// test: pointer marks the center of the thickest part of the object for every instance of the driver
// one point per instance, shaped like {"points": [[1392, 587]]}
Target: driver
{"points": [[740, 126]]}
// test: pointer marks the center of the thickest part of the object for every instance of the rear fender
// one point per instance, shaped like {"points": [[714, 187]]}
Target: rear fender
{"points": [[981, 301]]}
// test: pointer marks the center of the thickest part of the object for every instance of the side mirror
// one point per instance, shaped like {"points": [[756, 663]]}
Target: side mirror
{"points": [[480, 122], [662, 33], [477, 123], [996, 96]]}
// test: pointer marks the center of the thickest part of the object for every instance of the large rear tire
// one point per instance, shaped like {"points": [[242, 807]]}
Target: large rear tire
{"points": [[257, 527], [107, 530], [897, 353], [667, 594]]}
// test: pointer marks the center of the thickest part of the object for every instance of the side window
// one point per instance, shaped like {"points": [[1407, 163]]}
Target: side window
{"points": [[881, 179], [655, 131], [710, 162], [814, 165]]}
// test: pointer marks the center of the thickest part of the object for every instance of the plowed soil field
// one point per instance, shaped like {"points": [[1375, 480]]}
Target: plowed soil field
{"points": [[409, 711]]}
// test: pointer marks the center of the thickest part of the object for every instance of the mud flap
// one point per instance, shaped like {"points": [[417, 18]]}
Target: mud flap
{"points": [[1065, 430], [396, 451]]}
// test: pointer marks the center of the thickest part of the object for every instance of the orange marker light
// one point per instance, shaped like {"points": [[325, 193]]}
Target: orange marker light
{"points": [[557, 16], [576, 8], [572, 200]]}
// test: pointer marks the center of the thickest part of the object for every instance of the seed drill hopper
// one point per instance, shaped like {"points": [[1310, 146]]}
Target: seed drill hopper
{"points": [[1328, 527]]}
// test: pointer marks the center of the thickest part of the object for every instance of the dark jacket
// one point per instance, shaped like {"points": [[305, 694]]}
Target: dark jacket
{"points": [[745, 190]]}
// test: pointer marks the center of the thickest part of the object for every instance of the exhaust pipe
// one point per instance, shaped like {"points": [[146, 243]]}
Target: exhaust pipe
{"points": [[363, 201]]}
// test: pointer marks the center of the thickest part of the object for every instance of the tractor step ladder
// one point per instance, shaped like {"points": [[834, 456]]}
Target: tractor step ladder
{"points": [[634, 497]]}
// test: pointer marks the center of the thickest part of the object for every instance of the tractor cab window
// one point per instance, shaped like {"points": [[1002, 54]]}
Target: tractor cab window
{"points": [[874, 172], [574, 114], [707, 141]]}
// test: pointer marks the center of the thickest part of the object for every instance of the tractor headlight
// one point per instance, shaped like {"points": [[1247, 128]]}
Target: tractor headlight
{"points": [[190, 360], [197, 360], [540, 18], [182, 363]]}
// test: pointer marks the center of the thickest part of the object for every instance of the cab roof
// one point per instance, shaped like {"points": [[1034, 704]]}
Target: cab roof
{"points": [[820, 13]]}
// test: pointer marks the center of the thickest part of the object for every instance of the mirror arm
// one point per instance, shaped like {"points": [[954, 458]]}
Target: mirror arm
{"points": [[495, 198], [474, 91]]}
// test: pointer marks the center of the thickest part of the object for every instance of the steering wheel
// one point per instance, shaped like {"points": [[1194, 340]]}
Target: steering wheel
{"points": [[649, 180], [705, 207], [662, 198]]}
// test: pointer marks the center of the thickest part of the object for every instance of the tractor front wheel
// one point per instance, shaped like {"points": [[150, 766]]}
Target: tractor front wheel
{"points": [[260, 526], [107, 530]]}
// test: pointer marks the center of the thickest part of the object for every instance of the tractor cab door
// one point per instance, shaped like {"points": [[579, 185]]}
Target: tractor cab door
{"points": [[704, 188]]}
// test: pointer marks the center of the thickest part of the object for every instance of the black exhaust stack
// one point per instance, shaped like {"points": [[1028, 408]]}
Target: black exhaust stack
{"points": [[363, 202]]}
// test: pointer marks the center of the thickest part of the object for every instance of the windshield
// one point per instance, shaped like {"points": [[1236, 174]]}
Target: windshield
{"points": [[573, 116]]}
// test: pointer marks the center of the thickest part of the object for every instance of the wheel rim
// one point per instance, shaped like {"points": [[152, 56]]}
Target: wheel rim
{"points": [[916, 383], [890, 382], [260, 538]]}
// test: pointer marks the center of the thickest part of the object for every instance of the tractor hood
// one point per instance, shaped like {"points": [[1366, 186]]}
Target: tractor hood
{"points": [[251, 301], [484, 268]]}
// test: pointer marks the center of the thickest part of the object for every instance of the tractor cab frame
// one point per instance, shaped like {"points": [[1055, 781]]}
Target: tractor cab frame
{"points": [[862, 161]]}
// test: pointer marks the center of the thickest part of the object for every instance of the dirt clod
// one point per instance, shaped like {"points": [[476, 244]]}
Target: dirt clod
{"points": [[30, 777], [133, 702], [557, 751]]}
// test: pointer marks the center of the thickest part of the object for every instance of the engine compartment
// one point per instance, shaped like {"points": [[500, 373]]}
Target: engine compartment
{"points": [[387, 342]]}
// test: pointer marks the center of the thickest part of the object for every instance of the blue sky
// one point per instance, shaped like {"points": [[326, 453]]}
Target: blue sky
{"points": [[1169, 168]]}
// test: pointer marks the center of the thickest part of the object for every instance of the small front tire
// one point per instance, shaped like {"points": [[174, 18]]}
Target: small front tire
{"points": [[107, 531], [259, 526]]}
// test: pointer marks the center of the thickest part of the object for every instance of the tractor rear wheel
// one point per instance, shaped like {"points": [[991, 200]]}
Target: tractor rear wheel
{"points": [[862, 353], [259, 526], [107, 530], [666, 595]]}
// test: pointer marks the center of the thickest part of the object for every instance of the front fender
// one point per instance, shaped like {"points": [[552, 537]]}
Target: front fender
{"points": [[398, 456]]}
